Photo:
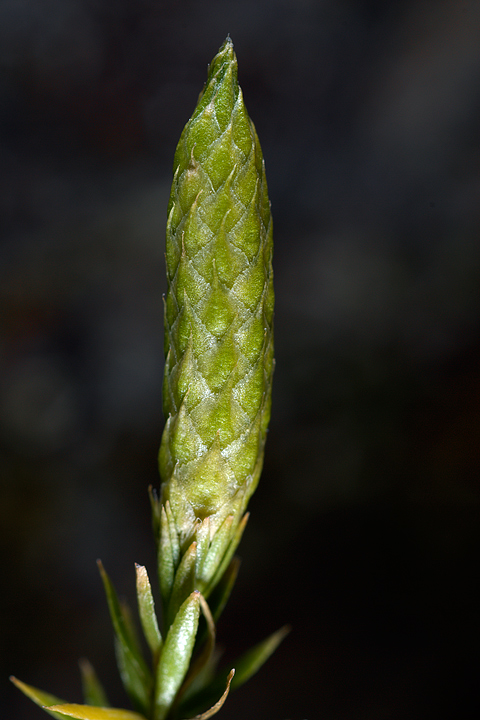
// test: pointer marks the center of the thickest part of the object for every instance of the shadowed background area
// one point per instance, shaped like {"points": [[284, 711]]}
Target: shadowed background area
{"points": [[364, 532]]}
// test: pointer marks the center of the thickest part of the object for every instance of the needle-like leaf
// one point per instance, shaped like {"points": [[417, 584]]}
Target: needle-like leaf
{"points": [[136, 676], [39, 697], [146, 609], [176, 654]]}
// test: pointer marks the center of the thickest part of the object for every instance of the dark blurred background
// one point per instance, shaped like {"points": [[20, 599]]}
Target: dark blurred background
{"points": [[364, 532]]}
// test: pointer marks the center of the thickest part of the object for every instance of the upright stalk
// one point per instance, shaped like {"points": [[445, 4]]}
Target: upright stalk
{"points": [[217, 398]]}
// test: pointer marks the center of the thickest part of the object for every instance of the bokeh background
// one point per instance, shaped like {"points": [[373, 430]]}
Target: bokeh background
{"points": [[364, 532]]}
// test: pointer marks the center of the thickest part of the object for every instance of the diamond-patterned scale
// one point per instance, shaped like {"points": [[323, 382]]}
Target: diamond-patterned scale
{"points": [[218, 310]]}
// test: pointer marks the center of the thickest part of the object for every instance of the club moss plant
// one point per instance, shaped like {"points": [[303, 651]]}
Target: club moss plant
{"points": [[217, 397]]}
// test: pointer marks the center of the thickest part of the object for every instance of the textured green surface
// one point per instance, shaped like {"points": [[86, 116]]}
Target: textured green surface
{"points": [[218, 310]]}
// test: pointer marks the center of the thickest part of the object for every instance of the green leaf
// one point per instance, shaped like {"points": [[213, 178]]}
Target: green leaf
{"points": [[176, 654], [203, 659], [93, 692], [221, 593], [225, 562], [131, 680], [202, 538], [131, 627], [168, 553], [135, 674], [184, 582], [216, 552], [146, 608], [156, 509], [87, 712], [249, 663], [39, 697]]}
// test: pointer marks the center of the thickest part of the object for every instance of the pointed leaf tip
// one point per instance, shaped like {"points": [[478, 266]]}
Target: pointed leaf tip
{"points": [[253, 659], [136, 676], [146, 609], [39, 697]]}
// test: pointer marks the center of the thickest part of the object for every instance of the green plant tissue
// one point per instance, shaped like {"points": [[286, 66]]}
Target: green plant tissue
{"points": [[218, 309]]}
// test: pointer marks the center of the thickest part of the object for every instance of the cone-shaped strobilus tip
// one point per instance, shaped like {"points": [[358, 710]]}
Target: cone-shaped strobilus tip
{"points": [[218, 325]]}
